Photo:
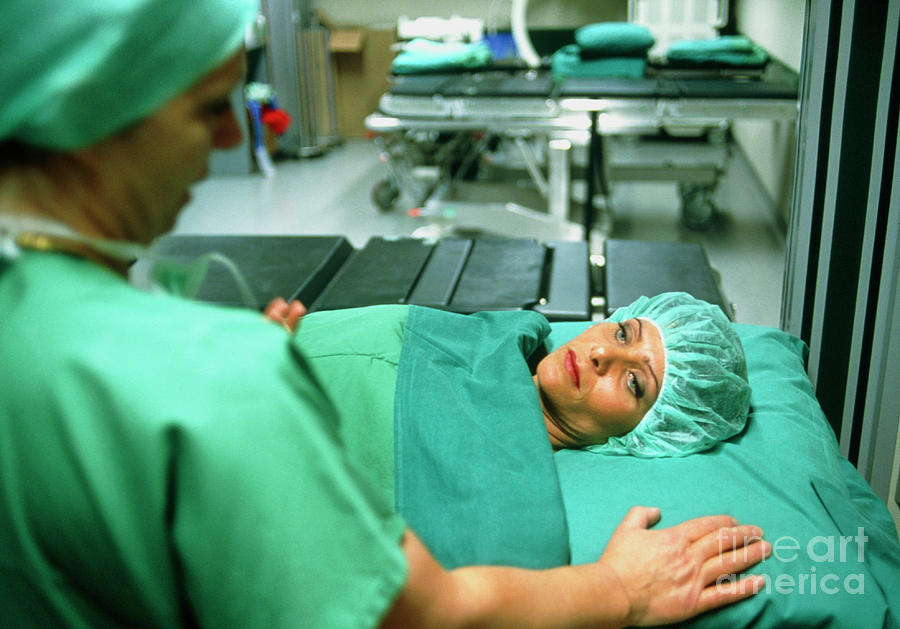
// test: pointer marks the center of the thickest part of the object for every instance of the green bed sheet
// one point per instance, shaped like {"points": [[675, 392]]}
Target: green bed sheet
{"points": [[837, 559]]}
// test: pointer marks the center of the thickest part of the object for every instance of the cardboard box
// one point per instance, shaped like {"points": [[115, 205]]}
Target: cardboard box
{"points": [[362, 60], [347, 40]]}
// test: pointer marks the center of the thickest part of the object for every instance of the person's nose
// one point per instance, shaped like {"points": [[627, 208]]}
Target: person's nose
{"points": [[603, 357], [228, 132]]}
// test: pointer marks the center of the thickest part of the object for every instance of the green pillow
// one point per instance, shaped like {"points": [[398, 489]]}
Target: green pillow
{"points": [[785, 473], [614, 39]]}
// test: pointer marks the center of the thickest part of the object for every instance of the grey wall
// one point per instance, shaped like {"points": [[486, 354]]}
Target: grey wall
{"points": [[541, 13], [770, 146]]}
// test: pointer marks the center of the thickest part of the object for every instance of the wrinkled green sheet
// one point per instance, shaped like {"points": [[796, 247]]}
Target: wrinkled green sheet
{"points": [[784, 472], [475, 475]]}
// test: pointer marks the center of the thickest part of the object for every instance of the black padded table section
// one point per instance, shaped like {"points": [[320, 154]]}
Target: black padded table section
{"points": [[774, 81], [736, 88], [420, 85], [612, 87], [509, 82], [777, 81], [499, 84], [293, 267], [466, 275], [639, 267], [382, 272]]}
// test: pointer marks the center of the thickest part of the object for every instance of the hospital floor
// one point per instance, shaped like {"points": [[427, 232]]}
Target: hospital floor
{"points": [[331, 195]]}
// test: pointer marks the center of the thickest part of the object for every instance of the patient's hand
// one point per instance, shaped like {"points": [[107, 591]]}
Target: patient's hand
{"points": [[285, 314], [671, 574]]}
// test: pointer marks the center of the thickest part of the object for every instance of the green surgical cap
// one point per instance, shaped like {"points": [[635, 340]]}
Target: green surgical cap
{"points": [[73, 72], [705, 395]]}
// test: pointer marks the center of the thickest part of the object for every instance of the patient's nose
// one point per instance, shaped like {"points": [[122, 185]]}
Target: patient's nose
{"points": [[603, 357]]}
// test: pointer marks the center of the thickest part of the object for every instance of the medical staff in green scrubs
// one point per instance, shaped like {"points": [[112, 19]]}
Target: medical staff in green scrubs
{"points": [[170, 464]]}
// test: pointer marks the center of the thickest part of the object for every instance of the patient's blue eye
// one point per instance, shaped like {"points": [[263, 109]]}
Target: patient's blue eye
{"points": [[635, 385], [622, 333]]}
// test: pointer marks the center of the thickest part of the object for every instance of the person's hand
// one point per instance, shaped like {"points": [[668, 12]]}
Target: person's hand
{"points": [[285, 314], [672, 574]]}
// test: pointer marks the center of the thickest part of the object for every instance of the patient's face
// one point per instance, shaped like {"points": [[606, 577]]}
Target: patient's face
{"points": [[600, 384]]}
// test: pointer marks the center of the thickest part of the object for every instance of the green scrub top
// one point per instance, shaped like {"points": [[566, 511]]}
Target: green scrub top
{"points": [[165, 463]]}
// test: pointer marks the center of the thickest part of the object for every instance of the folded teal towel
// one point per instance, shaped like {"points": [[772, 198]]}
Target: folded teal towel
{"points": [[568, 62], [735, 50], [422, 55], [614, 39]]}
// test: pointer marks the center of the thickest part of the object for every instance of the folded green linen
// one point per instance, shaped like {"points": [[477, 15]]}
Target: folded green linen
{"points": [[568, 62], [423, 55], [614, 39], [733, 50]]}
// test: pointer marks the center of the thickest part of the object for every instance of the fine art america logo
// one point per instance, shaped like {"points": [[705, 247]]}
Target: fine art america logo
{"points": [[820, 576]]}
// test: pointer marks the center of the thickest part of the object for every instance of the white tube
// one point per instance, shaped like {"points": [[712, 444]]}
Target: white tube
{"points": [[520, 33]]}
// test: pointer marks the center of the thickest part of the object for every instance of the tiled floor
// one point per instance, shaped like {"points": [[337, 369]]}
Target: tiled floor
{"points": [[331, 195]]}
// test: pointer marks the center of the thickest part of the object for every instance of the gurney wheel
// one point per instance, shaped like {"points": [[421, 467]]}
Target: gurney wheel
{"points": [[697, 209], [384, 194]]}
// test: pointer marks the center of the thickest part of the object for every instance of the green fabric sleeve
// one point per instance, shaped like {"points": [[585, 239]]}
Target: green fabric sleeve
{"points": [[170, 464]]}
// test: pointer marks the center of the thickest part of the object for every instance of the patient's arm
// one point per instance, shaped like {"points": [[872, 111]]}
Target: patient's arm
{"points": [[644, 577]]}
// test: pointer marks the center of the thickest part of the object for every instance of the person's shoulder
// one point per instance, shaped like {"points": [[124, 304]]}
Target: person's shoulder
{"points": [[65, 312]]}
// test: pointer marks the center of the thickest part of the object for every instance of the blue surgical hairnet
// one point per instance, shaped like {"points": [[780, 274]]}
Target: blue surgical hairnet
{"points": [[73, 72], [705, 395]]}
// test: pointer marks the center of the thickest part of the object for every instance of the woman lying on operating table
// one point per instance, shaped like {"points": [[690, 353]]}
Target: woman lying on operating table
{"points": [[664, 376], [456, 417]]}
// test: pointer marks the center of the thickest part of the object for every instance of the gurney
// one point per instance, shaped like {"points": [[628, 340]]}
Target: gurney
{"points": [[560, 129]]}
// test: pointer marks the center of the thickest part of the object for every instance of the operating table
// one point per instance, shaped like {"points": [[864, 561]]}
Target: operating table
{"points": [[557, 278], [546, 119]]}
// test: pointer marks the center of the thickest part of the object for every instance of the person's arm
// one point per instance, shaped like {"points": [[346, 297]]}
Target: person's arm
{"points": [[643, 578]]}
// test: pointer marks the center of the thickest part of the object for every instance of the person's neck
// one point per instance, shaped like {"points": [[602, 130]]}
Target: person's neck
{"points": [[58, 192]]}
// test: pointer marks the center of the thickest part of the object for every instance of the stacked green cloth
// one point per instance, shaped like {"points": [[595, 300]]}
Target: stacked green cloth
{"points": [[730, 50], [569, 62], [425, 55], [614, 39], [606, 49]]}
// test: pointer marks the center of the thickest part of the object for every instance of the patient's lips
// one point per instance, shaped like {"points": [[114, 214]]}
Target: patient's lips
{"points": [[572, 368]]}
